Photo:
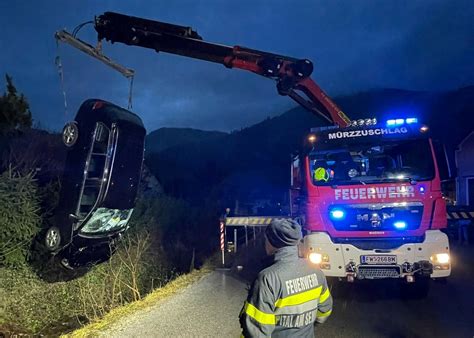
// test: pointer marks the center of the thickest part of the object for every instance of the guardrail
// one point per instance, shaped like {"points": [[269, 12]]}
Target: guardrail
{"points": [[256, 223], [252, 228], [252, 221]]}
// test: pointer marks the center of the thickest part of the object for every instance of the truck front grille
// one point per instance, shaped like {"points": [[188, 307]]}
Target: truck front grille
{"points": [[379, 243], [378, 272], [378, 216]]}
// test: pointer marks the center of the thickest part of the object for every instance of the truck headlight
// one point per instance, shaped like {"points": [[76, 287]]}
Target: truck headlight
{"points": [[317, 258], [441, 258]]}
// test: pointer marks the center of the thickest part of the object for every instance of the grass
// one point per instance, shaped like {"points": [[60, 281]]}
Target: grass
{"points": [[181, 282]]}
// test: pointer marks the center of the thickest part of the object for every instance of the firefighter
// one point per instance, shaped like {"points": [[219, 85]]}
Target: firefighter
{"points": [[289, 297]]}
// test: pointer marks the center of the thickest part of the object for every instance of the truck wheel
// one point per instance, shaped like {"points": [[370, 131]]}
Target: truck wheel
{"points": [[52, 239], [70, 134]]}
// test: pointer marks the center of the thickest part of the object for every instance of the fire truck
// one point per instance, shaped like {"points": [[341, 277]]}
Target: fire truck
{"points": [[367, 192], [370, 194]]}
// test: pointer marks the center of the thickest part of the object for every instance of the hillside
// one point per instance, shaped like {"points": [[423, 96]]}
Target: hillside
{"points": [[253, 163], [165, 138]]}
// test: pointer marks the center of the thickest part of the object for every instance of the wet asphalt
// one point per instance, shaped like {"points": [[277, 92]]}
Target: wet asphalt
{"points": [[210, 307], [383, 309]]}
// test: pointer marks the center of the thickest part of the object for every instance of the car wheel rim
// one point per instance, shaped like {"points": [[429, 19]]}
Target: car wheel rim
{"points": [[52, 238], [70, 134]]}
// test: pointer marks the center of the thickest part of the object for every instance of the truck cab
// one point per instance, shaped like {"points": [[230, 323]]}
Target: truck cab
{"points": [[371, 198]]}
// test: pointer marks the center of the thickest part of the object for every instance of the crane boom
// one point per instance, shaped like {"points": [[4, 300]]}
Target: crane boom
{"points": [[292, 75]]}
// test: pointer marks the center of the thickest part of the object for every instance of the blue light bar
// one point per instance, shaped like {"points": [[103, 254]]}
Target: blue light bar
{"points": [[400, 225], [396, 122], [411, 120], [337, 214]]}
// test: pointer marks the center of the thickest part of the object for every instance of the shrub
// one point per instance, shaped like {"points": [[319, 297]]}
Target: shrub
{"points": [[165, 233], [126, 277], [19, 217], [31, 305]]}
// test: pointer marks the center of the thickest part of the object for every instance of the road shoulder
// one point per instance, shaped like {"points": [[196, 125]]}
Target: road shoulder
{"points": [[121, 314]]}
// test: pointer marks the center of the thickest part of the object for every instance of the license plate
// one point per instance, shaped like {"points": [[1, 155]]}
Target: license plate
{"points": [[378, 259]]}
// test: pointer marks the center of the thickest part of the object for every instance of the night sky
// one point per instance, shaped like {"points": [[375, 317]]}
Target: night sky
{"points": [[355, 45]]}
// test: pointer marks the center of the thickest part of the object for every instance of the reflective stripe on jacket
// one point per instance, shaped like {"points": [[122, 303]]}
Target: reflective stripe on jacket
{"points": [[286, 299]]}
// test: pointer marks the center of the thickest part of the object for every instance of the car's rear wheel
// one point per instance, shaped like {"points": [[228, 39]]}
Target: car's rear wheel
{"points": [[70, 134], [52, 239]]}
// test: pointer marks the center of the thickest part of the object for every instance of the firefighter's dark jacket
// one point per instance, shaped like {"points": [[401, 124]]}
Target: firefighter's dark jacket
{"points": [[286, 299]]}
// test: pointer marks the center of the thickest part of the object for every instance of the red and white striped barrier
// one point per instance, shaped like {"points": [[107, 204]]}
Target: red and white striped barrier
{"points": [[222, 241]]}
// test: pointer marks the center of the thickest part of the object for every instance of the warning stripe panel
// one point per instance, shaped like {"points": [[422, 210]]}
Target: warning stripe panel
{"points": [[454, 215], [252, 221]]}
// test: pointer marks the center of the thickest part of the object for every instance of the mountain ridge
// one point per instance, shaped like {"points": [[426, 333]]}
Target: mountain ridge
{"points": [[166, 137], [224, 163]]}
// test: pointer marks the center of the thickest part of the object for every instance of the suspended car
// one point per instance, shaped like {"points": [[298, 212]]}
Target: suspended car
{"points": [[100, 182]]}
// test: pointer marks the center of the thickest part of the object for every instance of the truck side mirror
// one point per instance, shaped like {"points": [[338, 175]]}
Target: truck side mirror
{"points": [[296, 178], [445, 168]]}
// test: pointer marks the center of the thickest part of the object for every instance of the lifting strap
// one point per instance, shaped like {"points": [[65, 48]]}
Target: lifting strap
{"points": [[59, 65], [130, 92]]}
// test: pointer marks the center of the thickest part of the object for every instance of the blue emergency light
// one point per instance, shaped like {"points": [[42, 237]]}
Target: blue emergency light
{"points": [[400, 122], [400, 225], [337, 214]]}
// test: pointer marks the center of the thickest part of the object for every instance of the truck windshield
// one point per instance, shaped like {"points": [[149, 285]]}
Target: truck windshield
{"points": [[105, 220], [393, 161]]}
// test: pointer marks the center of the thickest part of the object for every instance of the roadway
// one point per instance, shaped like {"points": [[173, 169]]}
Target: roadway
{"points": [[210, 307], [380, 309]]}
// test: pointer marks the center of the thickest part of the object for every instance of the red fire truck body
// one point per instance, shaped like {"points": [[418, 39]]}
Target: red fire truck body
{"points": [[370, 197]]}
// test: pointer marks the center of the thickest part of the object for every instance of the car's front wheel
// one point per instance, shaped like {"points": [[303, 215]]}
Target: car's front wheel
{"points": [[52, 239]]}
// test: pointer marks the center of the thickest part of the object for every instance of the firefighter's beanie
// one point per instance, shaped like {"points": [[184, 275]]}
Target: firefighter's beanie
{"points": [[283, 232]]}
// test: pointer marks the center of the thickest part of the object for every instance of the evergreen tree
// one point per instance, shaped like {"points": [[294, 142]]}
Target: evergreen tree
{"points": [[19, 217], [15, 111]]}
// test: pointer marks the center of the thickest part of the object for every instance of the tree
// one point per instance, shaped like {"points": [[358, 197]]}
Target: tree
{"points": [[19, 217], [15, 111]]}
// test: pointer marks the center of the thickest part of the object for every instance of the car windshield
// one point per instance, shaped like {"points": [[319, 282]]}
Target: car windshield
{"points": [[105, 220], [368, 163]]}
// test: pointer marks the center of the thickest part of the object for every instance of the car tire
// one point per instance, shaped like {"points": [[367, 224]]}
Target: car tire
{"points": [[52, 239], [70, 134]]}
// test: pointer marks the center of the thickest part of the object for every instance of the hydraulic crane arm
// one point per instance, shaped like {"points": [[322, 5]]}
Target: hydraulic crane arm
{"points": [[292, 75]]}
